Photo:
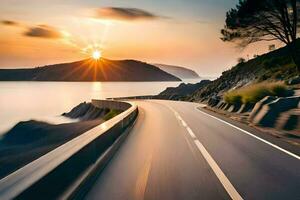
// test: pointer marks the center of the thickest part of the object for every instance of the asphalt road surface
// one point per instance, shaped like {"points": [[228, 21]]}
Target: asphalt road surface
{"points": [[176, 151]]}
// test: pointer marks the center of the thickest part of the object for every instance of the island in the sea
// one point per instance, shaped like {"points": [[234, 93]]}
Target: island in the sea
{"points": [[90, 70]]}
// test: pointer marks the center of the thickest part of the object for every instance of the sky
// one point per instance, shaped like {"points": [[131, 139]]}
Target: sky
{"points": [[176, 32]]}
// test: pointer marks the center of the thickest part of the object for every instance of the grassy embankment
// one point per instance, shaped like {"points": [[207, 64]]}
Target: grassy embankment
{"points": [[255, 92]]}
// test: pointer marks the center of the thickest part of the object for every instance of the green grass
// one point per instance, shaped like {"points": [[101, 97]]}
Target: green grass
{"points": [[112, 113], [255, 92]]}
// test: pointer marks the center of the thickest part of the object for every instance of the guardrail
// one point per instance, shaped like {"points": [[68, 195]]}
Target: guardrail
{"points": [[119, 105], [59, 173], [159, 97]]}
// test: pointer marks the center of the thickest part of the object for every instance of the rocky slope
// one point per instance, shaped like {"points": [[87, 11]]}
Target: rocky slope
{"points": [[90, 70], [36, 138], [86, 111], [182, 91], [276, 65], [180, 72]]}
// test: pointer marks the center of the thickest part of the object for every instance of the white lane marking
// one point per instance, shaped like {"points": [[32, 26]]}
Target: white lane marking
{"points": [[216, 169], [180, 119], [184, 124], [191, 132], [248, 133], [221, 176]]}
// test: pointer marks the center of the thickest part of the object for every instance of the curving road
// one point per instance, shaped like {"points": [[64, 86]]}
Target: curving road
{"points": [[176, 151]]}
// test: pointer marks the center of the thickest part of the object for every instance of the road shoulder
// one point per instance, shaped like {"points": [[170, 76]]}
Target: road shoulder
{"points": [[274, 139]]}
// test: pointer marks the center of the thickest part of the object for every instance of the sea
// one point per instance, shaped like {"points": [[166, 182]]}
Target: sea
{"points": [[46, 101]]}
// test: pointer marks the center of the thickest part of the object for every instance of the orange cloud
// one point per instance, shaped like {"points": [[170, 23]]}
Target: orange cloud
{"points": [[9, 23], [119, 13], [43, 31]]}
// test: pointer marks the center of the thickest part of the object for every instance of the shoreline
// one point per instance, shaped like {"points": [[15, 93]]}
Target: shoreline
{"points": [[36, 138], [53, 136]]}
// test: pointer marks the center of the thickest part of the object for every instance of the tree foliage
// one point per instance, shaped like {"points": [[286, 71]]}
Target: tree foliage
{"points": [[262, 20], [241, 60]]}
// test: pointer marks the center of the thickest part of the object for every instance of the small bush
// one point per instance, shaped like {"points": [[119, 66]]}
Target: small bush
{"points": [[241, 60], [233, 98], [112, 113], [256, 92], [279, 90]]}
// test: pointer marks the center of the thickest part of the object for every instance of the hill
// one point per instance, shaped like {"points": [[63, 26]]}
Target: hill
{"points": [[273, 66], [90, 70], [180, 72], [180, 92]]}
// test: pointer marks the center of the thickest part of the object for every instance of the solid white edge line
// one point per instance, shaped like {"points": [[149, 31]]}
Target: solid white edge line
{"points": [[221, 176], [216, 169], [248, 133]]}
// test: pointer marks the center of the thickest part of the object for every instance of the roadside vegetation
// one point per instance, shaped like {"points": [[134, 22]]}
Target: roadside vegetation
{"points": [[254, 21], [275, 66], [112, 113], [255, 92]]}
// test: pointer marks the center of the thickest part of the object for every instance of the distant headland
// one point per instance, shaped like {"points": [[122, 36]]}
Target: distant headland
{"points": [[90, 70]]}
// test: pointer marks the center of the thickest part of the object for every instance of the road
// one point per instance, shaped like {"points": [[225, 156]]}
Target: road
{"points": [[176, 151]]}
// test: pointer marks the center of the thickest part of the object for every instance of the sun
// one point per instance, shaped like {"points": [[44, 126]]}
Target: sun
{"points": [[96, 55]]}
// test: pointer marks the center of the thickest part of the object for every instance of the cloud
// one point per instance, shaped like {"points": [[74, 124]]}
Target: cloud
{"points": [[43, 31], [119, 13], [9, 23]]}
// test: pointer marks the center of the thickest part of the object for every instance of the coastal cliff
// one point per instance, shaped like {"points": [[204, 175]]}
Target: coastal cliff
{"points": [[36, 138]]}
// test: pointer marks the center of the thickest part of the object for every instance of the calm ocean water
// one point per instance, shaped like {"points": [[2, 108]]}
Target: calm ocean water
{"points": [[20, 101]]}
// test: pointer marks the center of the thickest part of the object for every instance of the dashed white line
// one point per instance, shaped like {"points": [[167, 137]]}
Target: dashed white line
{"points": [[248, 133], [216, 169], [191, 133], [221, 176], [184, 124]]}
